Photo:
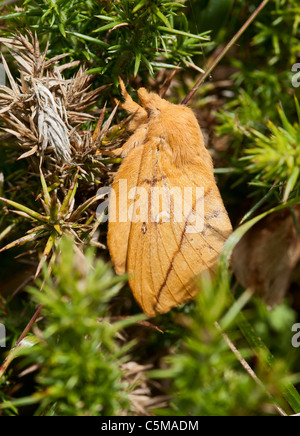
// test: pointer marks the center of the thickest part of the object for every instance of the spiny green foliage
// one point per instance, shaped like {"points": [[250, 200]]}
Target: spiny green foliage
{"points": [[262, 156], [261, 115], [276, 157], [115, 37], [270, 41], [272, 156], [49, 134], [54, 222], [77, 349], [272, 34], [209, 379], [205, 357]]}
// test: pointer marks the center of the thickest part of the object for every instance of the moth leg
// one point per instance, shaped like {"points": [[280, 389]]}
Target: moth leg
{"points": [[135, 140], [139, 114], [129, 104]]}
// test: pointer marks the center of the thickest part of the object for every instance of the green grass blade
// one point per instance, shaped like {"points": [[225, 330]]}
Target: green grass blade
{"points": [[137, 63], [37, 216], [21, 241], [182, 33], [28, 342], [291, 183], [69, 197], [7, 231], [164, 19], [45, 189], [289, 391], [49, 245], [89, 38], [139, 6]]}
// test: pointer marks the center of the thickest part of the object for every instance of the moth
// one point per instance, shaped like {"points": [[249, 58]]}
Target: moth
{"points": [[169, 225]]}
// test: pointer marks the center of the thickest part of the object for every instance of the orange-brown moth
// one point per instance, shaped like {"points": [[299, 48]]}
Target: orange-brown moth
{"points": [[166, 150]]}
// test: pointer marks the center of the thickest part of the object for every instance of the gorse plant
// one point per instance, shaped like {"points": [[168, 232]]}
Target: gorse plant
{"points": [[285, 12], [276, 158], [48, 134], [271, 154], [114, 37], [261, 115], [207, 378], [209, 367], [73, 345], [77, 352]]}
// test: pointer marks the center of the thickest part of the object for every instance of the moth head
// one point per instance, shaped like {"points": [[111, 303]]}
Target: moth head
{"points": [[152, 102]]}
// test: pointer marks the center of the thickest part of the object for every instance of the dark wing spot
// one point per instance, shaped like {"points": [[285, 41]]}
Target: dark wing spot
{"points": [[153, 181]]}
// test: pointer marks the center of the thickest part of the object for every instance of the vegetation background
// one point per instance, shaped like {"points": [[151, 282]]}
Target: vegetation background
{"points": [[77, 343]]}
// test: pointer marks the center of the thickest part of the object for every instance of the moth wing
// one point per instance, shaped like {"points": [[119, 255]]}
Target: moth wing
{"points": [[165, 254], [119, 224]]}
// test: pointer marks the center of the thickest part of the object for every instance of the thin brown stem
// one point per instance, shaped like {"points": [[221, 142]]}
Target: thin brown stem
{"points": [[30, 324], [248, 368], [224, 51], [9, 358], [20, 288]]}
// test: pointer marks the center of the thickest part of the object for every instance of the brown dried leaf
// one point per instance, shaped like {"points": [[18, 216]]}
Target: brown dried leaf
{"points": [[29, 153], [265, 258], [12, 82], [61, 68], [142, 401], [26, 104], [26, 66], [55, 59], [13, 132], [107, 124], [6, 109], [97, 131]]}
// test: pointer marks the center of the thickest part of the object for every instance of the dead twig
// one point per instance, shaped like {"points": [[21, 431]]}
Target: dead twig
{"points": [[248, 368]]}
